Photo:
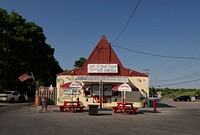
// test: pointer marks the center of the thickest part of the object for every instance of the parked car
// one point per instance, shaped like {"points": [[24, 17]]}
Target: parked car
{"points": [[13, 96], [197, 97], [151, 98], [23, 97], [182, 98]]}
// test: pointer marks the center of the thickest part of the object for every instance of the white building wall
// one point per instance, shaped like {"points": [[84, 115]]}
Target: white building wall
{"points": [[142, 83]]}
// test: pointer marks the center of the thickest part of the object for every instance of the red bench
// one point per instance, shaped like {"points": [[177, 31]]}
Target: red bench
{"points": [[71, 106], [126, 110], [115, 108], [125, 107]]}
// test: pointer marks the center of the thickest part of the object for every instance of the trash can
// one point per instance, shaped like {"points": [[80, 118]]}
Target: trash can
{"points": [[93, 109]]}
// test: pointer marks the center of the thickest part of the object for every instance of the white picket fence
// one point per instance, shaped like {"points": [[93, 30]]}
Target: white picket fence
{"points": [[51, 95]]}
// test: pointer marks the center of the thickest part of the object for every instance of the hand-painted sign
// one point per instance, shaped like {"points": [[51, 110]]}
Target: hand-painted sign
{"points": [[74, 85], [102, 68], [124, 87]]}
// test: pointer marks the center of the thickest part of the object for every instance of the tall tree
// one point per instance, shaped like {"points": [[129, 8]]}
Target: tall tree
{"points": [[23, 49], [80, 62]]}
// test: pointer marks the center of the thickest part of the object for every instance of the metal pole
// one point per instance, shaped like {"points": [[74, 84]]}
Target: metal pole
{"points": [[154, 104], [124, 96], [100, 94]]}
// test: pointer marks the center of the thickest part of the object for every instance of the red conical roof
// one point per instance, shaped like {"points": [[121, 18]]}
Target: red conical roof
{"points": [[103, 54]]}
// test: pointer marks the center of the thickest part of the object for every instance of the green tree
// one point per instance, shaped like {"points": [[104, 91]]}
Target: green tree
{"points": [[80, 62], [152, 91], [23, 49]]}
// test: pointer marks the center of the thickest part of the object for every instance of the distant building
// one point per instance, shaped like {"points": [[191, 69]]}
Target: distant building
{"points": [[100, 76]]}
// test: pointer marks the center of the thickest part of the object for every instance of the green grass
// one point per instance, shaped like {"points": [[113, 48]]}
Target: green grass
{"points": [[178, 93]]}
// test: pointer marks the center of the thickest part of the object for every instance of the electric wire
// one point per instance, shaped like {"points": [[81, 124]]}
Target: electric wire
{"points": [[157, 55], [182, 77], [127, 22], [175, 57], [174, 69], [170, 84]]}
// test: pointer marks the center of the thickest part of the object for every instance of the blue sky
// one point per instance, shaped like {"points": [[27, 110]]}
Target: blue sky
{"points": [[162, 27]]}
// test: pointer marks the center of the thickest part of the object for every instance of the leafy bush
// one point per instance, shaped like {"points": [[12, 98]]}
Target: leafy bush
{"points": [[171, 93]]}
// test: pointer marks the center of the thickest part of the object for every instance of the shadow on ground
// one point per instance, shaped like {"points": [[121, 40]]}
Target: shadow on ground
{"points": [[160, 105], [109, 111], [2, 105], [150, 109], [146, 111]]}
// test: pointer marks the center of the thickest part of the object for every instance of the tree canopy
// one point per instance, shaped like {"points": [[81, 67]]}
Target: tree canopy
{"points": [[80, 62], [174, 92], [23, 49]]}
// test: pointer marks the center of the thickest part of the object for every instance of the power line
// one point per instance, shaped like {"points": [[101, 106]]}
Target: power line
{"points": [[127, 22], [182, 77], [177, 83], [157, 55]]}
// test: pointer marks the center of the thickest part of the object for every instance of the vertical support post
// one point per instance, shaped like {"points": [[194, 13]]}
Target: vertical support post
{"points": [[100, 103], [101, 99], [100, 93], [123, 100], [124, 97], [154, 104]]}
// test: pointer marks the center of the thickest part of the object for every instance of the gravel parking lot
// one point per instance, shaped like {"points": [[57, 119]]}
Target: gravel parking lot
{"points": [[171, 117]]}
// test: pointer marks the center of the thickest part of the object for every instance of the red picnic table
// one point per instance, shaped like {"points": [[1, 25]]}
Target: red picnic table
{"points": [[71, 106], [124, 107]]}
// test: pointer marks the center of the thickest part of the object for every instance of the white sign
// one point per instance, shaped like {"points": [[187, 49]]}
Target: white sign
{"points": [[102, 68], [124, 87], [74, 85], [72, 92]]}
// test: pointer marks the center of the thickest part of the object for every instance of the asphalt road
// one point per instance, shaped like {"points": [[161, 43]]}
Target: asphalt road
{"points": [[174, 118]]}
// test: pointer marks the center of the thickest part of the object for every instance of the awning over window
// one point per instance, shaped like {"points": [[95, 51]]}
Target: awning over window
{"points": [[117, 79]]}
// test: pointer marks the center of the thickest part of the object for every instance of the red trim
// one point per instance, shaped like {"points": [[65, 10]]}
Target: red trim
{"points": [[103, 53]]}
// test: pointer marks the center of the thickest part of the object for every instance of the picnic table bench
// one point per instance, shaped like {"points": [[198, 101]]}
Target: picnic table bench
{"points": [[71, 106], [125, 107]]}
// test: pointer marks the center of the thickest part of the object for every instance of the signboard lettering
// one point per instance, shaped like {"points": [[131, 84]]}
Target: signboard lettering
{"points": [[124, 87], [102, 68]]}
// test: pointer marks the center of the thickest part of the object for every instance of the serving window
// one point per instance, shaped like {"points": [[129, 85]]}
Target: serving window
{"points": [[107, 90], [87, 90], [95, 90]]}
